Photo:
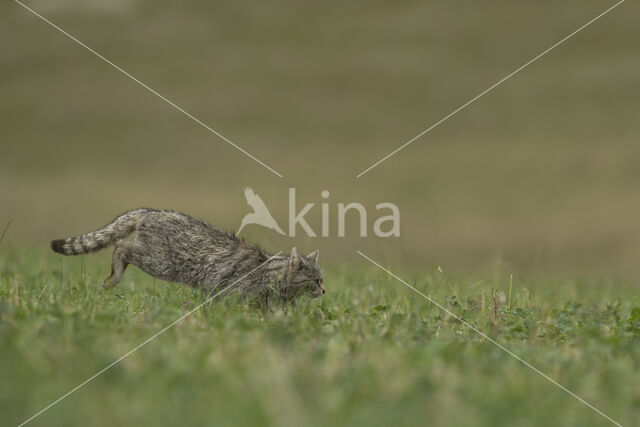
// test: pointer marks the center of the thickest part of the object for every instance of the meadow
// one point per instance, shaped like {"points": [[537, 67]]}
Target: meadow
{"points": [[542, 172], [368, 353], [519, 214]]}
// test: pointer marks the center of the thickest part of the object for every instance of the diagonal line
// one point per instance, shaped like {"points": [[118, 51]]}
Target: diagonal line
{"points": [[5, 230], [142, 344], [492, 341], [168, 101], [508, 76]]}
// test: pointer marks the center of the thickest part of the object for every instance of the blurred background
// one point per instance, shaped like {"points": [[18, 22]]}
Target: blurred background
{"points": [[541, 175]]}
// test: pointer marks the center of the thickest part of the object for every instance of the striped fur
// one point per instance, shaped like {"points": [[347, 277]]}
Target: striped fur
{"points": [[117, 229], [176, 247]]}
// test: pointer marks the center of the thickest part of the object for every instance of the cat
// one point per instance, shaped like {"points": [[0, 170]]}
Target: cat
{"points": [[175, 247]]}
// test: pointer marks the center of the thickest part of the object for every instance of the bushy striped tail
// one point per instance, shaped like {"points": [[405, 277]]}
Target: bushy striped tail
{"points": [[117, 229]]}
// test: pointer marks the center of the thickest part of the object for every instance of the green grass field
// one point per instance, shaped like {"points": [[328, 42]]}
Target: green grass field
{"points": [[370, 352], [538, 179]]}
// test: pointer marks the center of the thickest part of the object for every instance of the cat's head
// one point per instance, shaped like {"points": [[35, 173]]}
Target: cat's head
{"points": [[305, 274]]}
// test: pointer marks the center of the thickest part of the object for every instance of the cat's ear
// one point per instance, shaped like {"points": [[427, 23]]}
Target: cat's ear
{"points": [[313, 256], [295, 260]]}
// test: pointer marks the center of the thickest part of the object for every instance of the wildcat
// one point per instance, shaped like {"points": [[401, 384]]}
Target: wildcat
{"points": [[175, 247]]}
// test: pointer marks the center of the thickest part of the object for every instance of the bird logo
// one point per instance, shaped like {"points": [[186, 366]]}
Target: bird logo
{"points": [[260, 215]]}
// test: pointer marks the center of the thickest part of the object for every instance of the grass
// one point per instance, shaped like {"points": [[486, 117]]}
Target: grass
{"points": [[542, 173], [370, 352]]}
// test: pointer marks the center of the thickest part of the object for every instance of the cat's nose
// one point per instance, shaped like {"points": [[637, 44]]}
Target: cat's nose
{"points": [[323, 291]]}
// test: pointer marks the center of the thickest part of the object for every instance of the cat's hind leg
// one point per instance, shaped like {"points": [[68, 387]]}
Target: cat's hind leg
{"points": [[119, 263]]}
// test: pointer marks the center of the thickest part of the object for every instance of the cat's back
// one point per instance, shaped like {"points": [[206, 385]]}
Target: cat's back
{"points": [[177, 226]]}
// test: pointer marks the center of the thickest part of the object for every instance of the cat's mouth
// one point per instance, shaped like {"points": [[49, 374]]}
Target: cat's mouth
{"points": [[317, 292]]}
